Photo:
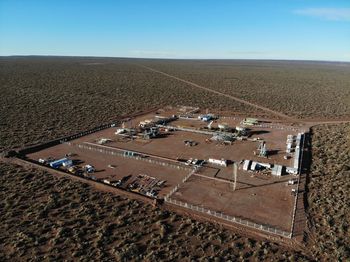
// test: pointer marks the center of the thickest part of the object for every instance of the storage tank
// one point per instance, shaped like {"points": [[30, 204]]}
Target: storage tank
{"points": [[223, 126], [59, 162]]}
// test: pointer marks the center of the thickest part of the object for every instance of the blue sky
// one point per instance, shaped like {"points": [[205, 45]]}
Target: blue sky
{"points": [[252, 29]]}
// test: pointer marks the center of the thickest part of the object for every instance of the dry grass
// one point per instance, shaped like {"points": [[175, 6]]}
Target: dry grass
{"points": [[44, 98], [48, 218], [298, 89], [328, 196]]}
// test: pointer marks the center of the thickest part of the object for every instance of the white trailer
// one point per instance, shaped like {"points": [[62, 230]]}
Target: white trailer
{"points": [[246, 165], [277, 170], [220, 162]]}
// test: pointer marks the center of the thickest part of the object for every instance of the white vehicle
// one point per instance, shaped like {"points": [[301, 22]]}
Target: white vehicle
{"points": [[106, 181], [160, 183], [89, 168], [188, 162], [292, 182], [120, 131]]}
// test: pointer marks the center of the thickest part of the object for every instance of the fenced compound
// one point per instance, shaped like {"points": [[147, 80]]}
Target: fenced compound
{"points": [[168, 198], [178, 185], [265, 228], [172, 163], [298, 184], [121, 153]]}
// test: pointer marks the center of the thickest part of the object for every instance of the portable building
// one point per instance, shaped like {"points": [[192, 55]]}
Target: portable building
{"points": [[250, 121], [259, 166], [277, 170], [254, 166], [59, 162], [296, 158], [299, 136], [220, 162], [246, 165], [67, 163], [266, 165]]}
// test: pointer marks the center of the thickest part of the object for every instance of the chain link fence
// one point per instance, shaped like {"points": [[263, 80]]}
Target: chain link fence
{"points": [[298, 182], [116, 152], [244, 222]]}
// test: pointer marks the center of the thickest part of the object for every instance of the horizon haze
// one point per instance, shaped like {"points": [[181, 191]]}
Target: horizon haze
{"points": [[288, 30]]}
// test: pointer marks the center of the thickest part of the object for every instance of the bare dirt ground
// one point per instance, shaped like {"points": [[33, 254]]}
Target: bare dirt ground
{"points": [[268, 203], [288, 87], [259, 198], [121, 166], [57, 219], [283, 116], [45, 98]]}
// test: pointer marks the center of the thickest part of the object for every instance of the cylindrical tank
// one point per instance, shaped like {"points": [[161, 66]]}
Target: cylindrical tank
{"points": [[223, 126]]}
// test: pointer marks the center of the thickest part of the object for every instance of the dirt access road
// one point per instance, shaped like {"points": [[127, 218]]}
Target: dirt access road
{"points": [[308, 123], [279, 114]]}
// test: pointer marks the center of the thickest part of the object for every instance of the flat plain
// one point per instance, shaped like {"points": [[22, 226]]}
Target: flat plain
{"points": [[298, 89], [48, 97]]}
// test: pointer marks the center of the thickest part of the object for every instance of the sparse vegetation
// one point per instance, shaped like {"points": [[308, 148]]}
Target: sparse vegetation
{"points": [[45, 98], [45, 217], [299, 89], [328, 195]]}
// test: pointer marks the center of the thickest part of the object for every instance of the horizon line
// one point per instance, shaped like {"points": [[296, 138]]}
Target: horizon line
{"points": [[172, 58]]}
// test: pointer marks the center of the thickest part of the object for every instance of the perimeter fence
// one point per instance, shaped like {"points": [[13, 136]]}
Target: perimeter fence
{"points": [[126, 154], [263, 227]]}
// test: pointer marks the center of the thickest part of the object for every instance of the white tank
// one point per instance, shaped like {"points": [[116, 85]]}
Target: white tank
{"points": [[223, 126]]}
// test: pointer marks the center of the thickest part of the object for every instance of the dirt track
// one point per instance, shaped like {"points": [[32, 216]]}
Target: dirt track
{"points": [[308, 122], [279, 114]]}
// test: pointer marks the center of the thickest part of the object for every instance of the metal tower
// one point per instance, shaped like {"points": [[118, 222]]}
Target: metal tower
{"points": [[262, 149]]}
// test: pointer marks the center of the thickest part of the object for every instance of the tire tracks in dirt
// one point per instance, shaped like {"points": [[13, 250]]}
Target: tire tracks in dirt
{"points": [[237, 99], [307, 122]]}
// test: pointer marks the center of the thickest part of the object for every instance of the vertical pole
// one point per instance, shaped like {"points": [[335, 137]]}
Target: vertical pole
{"points": [[234, 176]]}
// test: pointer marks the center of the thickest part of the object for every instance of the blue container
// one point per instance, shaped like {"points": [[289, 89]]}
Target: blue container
{"points": [[59, 162]]}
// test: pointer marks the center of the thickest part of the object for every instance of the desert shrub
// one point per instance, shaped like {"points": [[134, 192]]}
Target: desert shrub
{"points": [[88, 235], [329, 185], [289, 87]]}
